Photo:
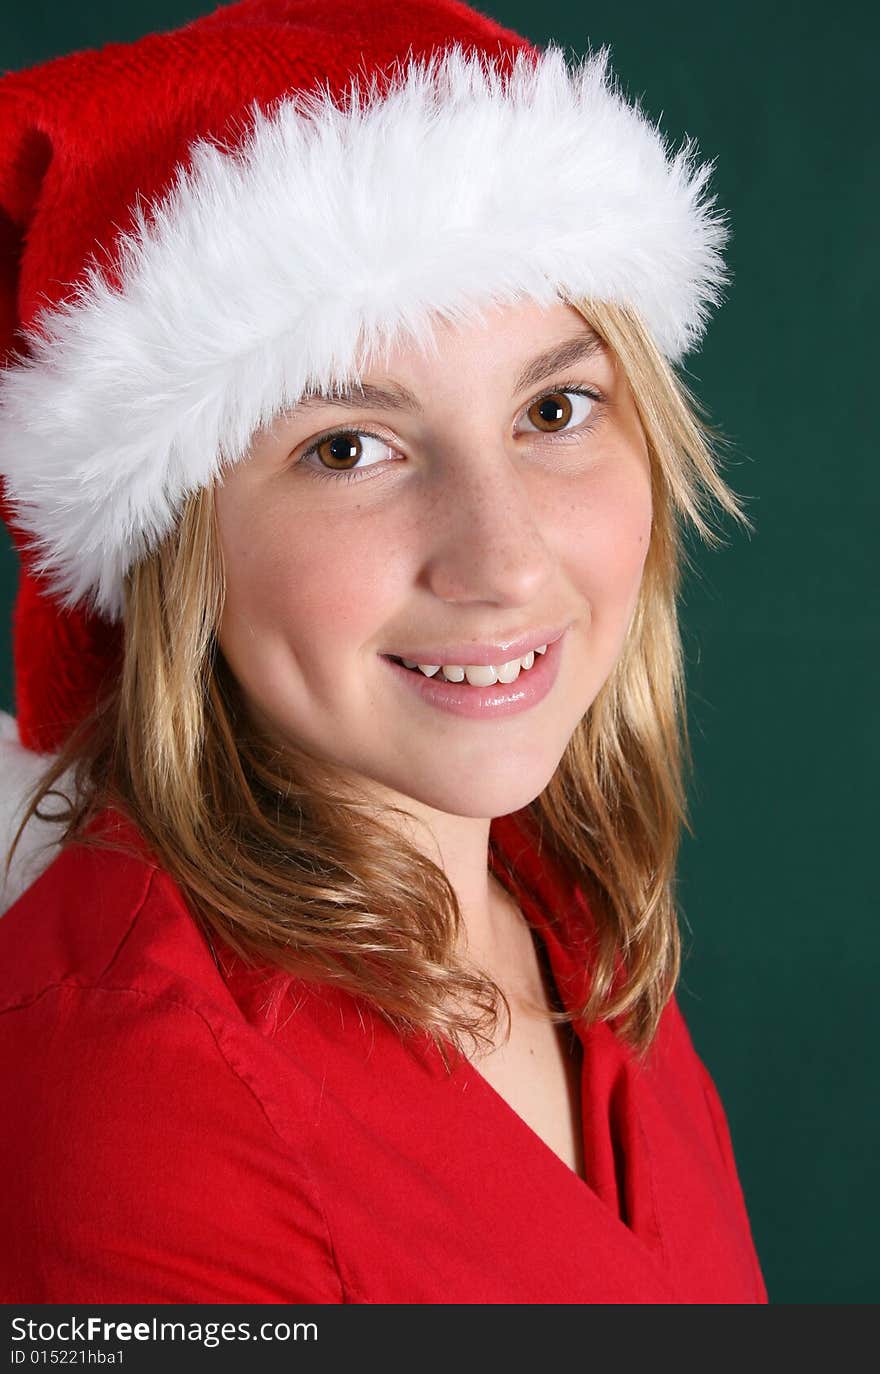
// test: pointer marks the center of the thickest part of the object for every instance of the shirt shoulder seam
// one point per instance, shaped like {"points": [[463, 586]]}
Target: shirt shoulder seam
{"points": [[169, 999]]}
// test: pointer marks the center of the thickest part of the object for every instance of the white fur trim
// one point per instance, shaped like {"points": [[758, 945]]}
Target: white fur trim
{"points": [[265, 266], [20, 768]]}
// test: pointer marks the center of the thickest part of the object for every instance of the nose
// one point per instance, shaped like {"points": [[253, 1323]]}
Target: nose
{"points": [[486, 539]]}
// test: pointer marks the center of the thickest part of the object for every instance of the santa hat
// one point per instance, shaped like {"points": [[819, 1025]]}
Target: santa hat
{"points": [[199, 226]]}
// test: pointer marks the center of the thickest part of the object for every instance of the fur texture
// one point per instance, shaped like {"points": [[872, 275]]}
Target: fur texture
{"points": [[291, 260]]}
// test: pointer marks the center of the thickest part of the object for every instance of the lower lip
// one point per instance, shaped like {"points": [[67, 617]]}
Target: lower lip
{"points": [[486, 703]]}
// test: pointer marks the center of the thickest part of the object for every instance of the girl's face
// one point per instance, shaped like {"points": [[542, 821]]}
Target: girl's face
{"points": [[497, 501]]}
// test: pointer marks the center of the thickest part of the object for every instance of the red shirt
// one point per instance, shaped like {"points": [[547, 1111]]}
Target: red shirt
{"points": [[177, 1132]]}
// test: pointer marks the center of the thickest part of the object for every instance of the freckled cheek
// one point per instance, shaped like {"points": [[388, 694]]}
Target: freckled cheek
{"points": [[609, 534], [296, 586]]}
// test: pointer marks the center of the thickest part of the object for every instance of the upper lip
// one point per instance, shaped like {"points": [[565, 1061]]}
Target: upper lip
{"points": [[501, 651]]}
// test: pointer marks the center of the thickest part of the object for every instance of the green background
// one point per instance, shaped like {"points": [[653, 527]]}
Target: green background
{"points": [[777, 889]]}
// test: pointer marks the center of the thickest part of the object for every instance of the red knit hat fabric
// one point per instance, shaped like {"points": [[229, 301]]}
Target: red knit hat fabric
{"points": [[198, 227]]}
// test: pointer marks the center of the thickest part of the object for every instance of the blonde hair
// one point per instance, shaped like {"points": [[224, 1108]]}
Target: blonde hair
{"points": [[280, 855]]}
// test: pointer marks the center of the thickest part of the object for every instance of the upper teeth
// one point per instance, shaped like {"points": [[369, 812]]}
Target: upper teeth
{"points": [[479, 674]]}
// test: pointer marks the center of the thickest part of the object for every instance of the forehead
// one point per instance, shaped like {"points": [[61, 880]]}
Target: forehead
{"points": [[575, 345]]}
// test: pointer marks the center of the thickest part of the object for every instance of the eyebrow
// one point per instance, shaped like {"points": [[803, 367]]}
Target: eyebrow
{"points": [[396, 397]]}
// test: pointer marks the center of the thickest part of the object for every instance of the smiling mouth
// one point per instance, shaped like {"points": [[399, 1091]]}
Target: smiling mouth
{"points": [[475, 675]]}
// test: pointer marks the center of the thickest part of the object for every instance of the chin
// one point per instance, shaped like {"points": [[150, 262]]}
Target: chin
{"points": [[498, 795]]}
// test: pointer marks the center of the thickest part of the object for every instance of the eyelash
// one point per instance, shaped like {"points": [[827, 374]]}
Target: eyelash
{"points": [[360, 475]]}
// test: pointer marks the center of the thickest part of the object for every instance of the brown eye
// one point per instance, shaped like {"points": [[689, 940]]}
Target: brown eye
{"points": [[551, 412], [554, 412], [339, 450], [346, 454]]}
